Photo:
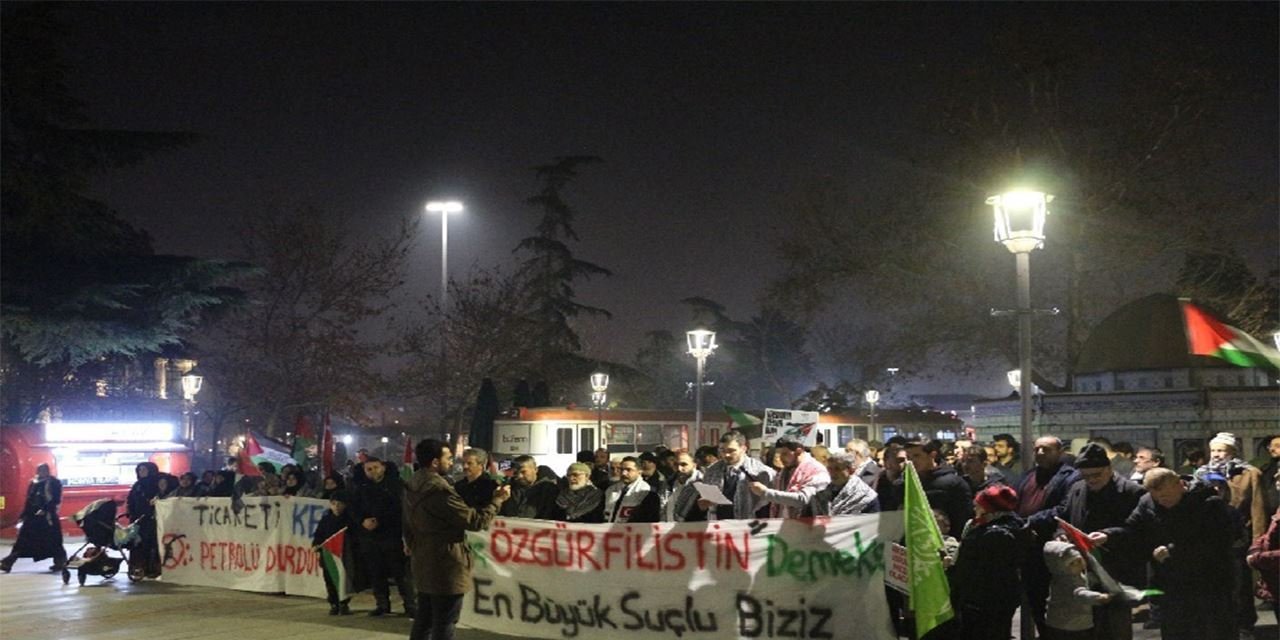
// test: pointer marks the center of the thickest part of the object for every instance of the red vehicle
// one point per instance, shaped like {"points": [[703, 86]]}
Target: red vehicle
{"points": [[93, 460]]}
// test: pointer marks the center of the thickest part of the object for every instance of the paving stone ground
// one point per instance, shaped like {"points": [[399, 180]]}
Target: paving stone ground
{"points": [[35, 605]]}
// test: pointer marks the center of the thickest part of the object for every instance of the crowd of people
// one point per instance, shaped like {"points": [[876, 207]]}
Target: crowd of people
{"points": [[1195, 534]]}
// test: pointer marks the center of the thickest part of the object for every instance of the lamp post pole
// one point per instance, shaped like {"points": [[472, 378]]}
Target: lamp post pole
{"points": [[444, 209], [701, 343], [872, 397], [1019, 226]]}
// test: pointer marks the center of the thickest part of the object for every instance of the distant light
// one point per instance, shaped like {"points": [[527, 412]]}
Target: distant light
{"points": [[872, 396], [109, 431], [451, 206], [346, 439], [385, 439]]}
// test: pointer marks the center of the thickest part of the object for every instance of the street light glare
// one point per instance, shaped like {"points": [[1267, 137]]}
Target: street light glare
{"points": [[450, 206]]}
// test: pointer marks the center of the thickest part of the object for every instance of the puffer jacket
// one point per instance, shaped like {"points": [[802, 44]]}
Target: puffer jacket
{"points": [[1071, 600], [435, 524]]}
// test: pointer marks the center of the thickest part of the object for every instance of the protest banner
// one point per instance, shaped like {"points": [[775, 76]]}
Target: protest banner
{"points": [[785, 422], [263, 546], [820, 578]]}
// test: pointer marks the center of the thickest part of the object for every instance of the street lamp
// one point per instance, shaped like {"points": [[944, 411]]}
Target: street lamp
{"points": [[701, 344], [385, 440], [599, 384], [444, 208], [191, 383], [1019, 226], [872, 397]]}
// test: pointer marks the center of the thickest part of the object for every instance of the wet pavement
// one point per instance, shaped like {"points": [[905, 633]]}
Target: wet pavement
{"points": [[35, 605]]}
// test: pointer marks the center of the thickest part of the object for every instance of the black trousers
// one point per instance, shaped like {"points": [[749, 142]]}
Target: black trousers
{"points": [[382, 568], [331, 590], [986, 624], [437, 616]]}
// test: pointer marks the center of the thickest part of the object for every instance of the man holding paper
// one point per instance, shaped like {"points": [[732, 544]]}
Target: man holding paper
{"points": [[732, 475]]}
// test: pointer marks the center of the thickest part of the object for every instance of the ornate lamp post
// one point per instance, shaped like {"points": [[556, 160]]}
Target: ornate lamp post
{"points": [[192, 381], [599, 384], [701, 344], [1019, 226]]}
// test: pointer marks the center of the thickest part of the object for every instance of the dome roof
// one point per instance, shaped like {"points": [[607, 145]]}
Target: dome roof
{"points": [[1145, 334]]}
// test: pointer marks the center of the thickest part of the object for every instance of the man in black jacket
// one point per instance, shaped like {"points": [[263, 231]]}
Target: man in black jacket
{"points": [[376, 513], [944, 488], [531, 496], [1186, 530], [1102, 499], [1041, 491], [476, 487]]}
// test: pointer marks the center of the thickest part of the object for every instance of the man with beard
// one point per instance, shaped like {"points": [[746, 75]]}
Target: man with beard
{"points": [[1248, 499], [1144, 460], [579, 500], [476, 487], [1103, 499], [631, 499], [944, 488], [1187, 532], [376, 511], [1007, 460], [601, 469], [732, 474], [40, 535], [1042, 490], [682, 505], [847, 494], [531, 496], [801, 478], [866, 468]]}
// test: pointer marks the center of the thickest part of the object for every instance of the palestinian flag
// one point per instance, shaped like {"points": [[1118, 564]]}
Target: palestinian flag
{"points": [[1207, 336], [263, 449], [1089, 551], [331, 557], [245, 463], [304, 437], [739, 419], [406, 462]]}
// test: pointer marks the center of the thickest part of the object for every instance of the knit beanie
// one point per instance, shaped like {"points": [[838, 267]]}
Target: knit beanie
{"points": [[1225, 438], [1092, 456], [997, 497]]}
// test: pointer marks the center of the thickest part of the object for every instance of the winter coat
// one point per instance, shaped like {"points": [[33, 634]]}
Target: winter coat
{"points": [[795, 487], [746, 505], [1043, 522], [986, 572], [947, 490], [138, 504], [476, 493], [1199, 535], [436, 522], [640, 504], [682, 505], [585, 505], [384, 501], [1071, 600], [1264, 556], [869, 472], [1108, 507], [537, 500]]}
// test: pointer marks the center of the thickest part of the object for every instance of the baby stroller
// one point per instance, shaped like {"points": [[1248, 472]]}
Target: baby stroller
{"points": [[102, 534]]}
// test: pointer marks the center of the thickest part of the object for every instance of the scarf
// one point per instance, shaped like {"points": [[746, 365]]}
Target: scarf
{"points": [[854, 497], [682, 497], [793, 480], [577, 504]]}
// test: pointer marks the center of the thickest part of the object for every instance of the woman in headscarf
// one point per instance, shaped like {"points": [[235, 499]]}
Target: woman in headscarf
{"points": [[40, 536], [223, 485], [579, 500], [332, 483], [141, 508]]}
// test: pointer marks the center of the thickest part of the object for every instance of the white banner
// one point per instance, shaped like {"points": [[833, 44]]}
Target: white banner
{"points": [[785, 422], [823, 578], [265, 546]]}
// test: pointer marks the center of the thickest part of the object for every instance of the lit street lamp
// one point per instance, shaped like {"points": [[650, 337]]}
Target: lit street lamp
{"points": [[1019, 226], [192, 381], [385, 440], [872, 397], [701, 344], [444, 209], [599, 384]]}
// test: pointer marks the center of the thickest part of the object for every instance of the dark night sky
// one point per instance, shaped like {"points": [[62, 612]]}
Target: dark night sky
{"points": [[708, 116]]}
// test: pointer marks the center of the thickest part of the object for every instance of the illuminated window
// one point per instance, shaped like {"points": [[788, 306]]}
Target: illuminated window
{"points": [[621, 438]]}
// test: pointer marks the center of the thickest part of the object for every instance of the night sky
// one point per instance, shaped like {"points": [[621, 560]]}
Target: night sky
{"points": [[709, 117]]}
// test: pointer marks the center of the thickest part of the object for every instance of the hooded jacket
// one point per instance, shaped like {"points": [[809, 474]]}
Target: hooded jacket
{"points": [[436, 522], [986, 573], [1071, 600]]}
